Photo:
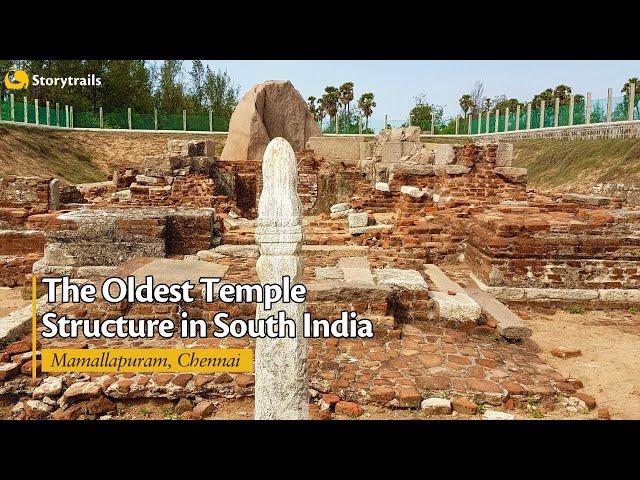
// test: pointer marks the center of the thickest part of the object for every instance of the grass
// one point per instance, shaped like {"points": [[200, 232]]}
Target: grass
{"points": [[554, 163], [575, 310]]}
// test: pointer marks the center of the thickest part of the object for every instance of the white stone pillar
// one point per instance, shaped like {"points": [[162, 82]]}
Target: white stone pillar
{"points": [[281, 384], [129, 117], [13, 108], [632, 98], [556, 112], [433, 127], [506, 119], [488, 116], [211, 120], [155, 118], [497, 121], [469, 125], [101, 119], [37, 109], [609, 105], [542, 108], [528, 127], [25, 110], [479, 122], [457, 123], [572, 104], [587, 110], [518, 117], [48, 107]]}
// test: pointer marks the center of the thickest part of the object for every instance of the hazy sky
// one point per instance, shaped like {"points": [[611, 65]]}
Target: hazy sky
{"points": [[396, 83]]}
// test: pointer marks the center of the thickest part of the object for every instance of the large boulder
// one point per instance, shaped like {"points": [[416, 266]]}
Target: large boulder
{"points": [[269, 110]]}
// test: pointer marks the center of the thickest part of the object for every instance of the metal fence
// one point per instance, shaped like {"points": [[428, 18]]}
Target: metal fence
{"points": [[24, 110], [524, 117]]}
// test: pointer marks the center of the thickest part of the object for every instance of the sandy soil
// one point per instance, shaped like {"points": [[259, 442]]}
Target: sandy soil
{"points": [[10, 300], [609, 365]]}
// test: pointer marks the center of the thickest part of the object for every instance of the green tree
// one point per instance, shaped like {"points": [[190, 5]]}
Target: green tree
{"points": [[366, 104], [511, 103], [466, 104], [221, 94], [170, 96], [197, 75], [423, 113], [546, 95], [329, 101], [563, 92], [345, 93]]}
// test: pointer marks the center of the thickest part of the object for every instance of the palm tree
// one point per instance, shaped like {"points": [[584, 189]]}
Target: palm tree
{"points": [[366, 105], [330, 101], [466, 104], [346, 95]]}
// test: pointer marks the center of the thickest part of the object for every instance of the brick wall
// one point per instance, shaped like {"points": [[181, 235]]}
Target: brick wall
{"points": [[30, 193]]}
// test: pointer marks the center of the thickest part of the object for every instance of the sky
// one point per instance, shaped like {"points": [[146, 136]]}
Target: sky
{"points": [[395, 83]]}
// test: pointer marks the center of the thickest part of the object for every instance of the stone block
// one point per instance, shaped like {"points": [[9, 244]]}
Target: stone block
{"points": [[504, 154], [444, 154], [458, 308], [358, 220], [342, 214], [413, 192], [339, 207], [512, 174], [405, 279]]}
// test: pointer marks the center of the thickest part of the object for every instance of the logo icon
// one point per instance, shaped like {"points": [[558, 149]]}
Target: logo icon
{"points": [[16, 79]]}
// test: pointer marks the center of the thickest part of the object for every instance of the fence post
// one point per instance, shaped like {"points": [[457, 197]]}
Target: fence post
{"points": [[528, 126], [48, 108], [469, 125], [57, 114], [457, 123], [337, 126], [631, 100], [71, 115], [433, 128], [609, 104], [587, 109], [486, 129], [360, 124], [35, 104], [66, 115], [129, 117], [101, 119], [385, 122], [211, 120], [556, 112], [542, 107], [572, 101], [184, 120], [496, 121], [517, 117], [506, 119], [408, 120], [25, 109], [13, 108], [155, 118], [479, 122]]}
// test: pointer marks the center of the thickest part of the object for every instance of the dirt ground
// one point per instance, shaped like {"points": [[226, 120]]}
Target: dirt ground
{"points": [[609, 365], [10, 300]]}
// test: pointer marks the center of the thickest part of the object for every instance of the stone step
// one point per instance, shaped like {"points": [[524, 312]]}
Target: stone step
{"points": [[508, 324], [453, 305]]}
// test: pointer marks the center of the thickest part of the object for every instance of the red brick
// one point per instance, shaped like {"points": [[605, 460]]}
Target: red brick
{"points": [[351, 409], [464, 405]]}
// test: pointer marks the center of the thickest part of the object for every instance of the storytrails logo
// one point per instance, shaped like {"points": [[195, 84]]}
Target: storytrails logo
{"points": [[19, 79]]}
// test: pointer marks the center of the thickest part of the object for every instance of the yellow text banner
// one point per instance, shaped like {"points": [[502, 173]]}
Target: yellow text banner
{"points": [[147, 360]]}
